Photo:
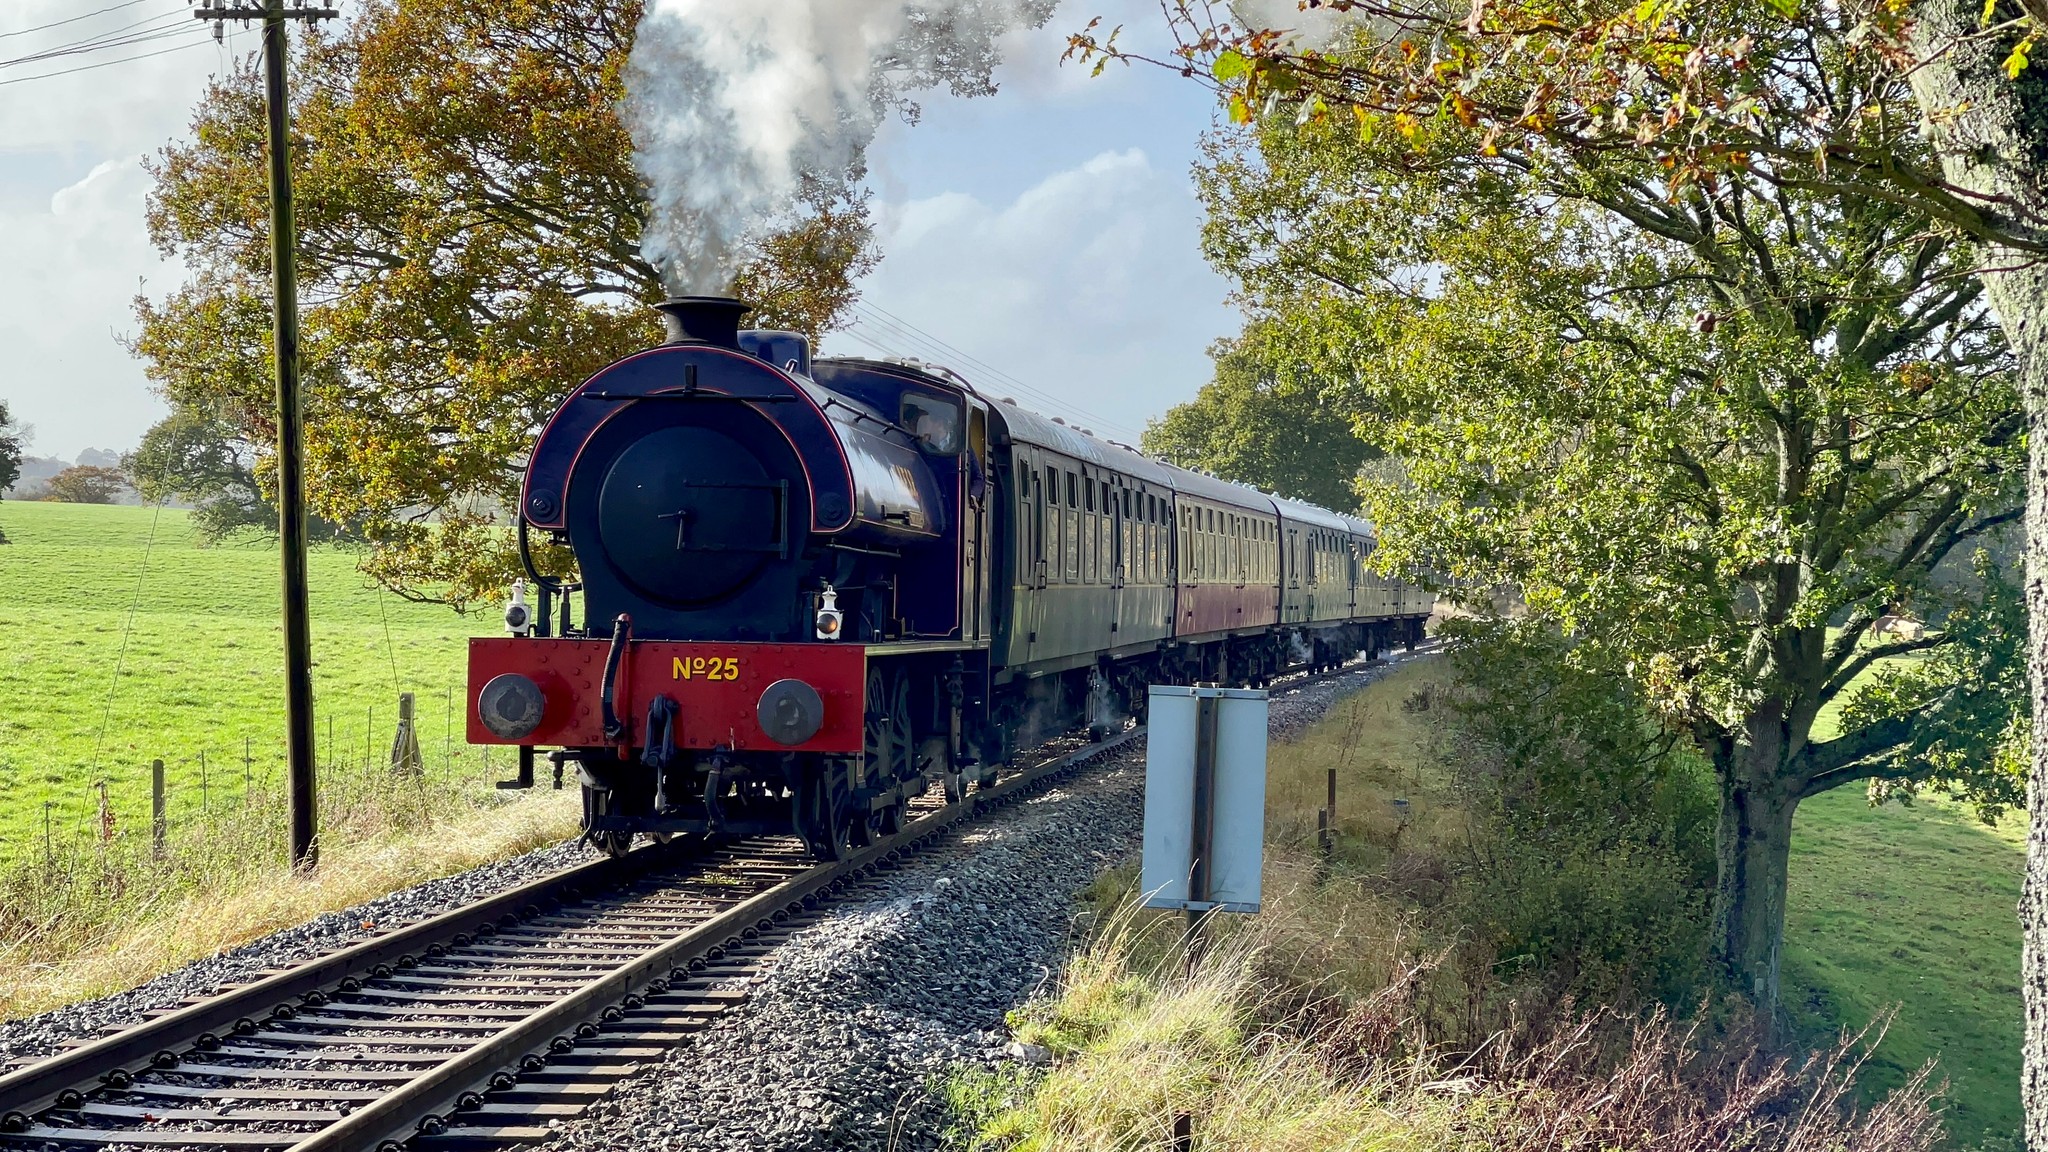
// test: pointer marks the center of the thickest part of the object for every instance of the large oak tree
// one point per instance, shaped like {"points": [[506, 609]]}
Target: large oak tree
{"points": [[1706, 87], [469, 219], [1718, 427]]}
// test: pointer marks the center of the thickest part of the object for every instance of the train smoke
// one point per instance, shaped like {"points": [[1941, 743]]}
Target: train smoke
{"points": [[741, 109]]}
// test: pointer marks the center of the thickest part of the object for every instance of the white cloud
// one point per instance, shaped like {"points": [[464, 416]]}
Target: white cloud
{"points": [[1087, 287], [73, 263], [73, 251], [1000, 234]]}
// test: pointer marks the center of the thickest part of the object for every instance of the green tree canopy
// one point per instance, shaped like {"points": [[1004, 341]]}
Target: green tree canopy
{"points": [[1263, 421], [85, 484], [1942, 113], [11, 449], [201, 459], [468, 221], [1716, 433]]}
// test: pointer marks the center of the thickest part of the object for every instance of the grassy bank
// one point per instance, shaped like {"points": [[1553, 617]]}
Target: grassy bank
{"points": [[1148, 1054], [1899, 910], [87, 904], [194, 634], [1912, 907], [116, 917]]}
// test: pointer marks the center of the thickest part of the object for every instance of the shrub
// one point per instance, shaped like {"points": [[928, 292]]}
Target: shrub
{"points": [[1591, 864]]}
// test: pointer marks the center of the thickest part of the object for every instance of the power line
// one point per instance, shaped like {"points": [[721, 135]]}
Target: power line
{"points": [[934, 348], [883, 349], [126, 42], [130, 34], [938, 352], [202, 39], [948, 351], [70, 19]]}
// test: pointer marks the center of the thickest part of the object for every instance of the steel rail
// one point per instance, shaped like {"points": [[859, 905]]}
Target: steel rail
{"points": [[402, 1113], [545, 1046], [38, 1086], [426, 1102]]}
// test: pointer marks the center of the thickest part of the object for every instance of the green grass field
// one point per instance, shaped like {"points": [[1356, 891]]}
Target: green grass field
{"points": [[201, 671], [1913, 907]]}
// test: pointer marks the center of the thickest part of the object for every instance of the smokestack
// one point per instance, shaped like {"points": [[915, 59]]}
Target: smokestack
{"points": [[703, 320]]}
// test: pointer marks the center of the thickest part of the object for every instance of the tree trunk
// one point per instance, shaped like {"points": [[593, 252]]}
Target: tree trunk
{"points": [[1754, 848], [1992, 134]]}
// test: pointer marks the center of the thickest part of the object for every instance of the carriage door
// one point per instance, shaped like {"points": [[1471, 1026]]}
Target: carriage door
{"points": [[1292, 598], [1351, 546], [974, 532], [1031, 572], [1119, 556]]}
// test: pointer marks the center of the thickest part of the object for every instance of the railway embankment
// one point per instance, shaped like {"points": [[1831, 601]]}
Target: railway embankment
{"points": [[854, 1027], [1486, 954]]}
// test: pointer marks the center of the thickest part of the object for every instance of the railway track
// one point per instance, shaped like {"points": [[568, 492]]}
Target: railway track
{"points": [[474, 1028]]}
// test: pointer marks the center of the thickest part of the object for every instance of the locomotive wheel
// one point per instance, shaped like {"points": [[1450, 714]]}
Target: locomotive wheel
{"points": [[886, 753], [598, 802], [827, 818]]}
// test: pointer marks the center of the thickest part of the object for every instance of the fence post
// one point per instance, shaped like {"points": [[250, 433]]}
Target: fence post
{"points": [[49, 842], [157, 824], [106, 816], [405, 746]]}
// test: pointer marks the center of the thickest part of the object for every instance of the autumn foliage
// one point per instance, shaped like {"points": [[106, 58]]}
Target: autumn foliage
{"points": [[468, 217]]}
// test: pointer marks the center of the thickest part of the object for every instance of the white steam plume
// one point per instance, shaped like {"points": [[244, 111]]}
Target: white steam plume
{"points": [[1304, 27], [740, 108]]}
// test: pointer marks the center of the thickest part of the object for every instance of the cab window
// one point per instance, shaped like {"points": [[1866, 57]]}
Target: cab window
{"points": [[934, 420]]}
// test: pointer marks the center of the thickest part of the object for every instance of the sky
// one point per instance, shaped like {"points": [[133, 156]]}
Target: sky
{"points": [[1043, 241]]}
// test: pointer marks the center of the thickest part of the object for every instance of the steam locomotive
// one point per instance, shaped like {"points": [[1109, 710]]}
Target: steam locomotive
{"points": [[811, 590]]}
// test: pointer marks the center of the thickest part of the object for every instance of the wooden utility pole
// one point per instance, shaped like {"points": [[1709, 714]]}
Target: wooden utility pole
{"points": [[302, 784]]}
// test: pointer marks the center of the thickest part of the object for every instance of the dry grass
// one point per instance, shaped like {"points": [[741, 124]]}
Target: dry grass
{"points": [[1143, 1046], [92, 926], [1394, 798], [1354, 1012]]}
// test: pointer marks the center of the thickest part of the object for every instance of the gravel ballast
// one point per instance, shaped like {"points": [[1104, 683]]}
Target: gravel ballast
{"points": [[851, 1022]]}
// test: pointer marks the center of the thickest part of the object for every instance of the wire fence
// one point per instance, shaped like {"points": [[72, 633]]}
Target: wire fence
{"points": [[373, 770]]}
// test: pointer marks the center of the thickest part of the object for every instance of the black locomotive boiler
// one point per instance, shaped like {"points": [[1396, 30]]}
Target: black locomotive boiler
{"points": [[810, 589]]}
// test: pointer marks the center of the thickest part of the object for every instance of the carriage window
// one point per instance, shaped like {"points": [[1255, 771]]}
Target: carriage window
{"points": [[934, 420], [1073, 499], [1090, 486]]}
